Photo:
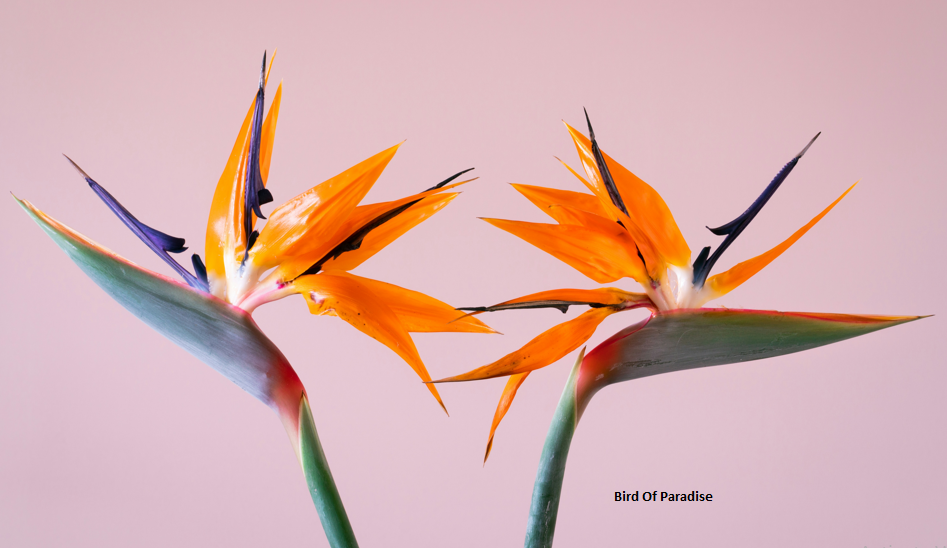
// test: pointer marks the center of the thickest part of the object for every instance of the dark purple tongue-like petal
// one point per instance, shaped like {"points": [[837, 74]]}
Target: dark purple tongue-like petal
{"points": [[254, 193], [158, 241], [731, 230], [603, 169]]}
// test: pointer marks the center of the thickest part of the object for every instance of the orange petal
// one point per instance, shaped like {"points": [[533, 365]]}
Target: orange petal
{"points": [[608, 296], [645, 206], [723, 283], [418, 312], [544, 197], [303, 225], [509, 392], [224, 224], [602, 256], [268, 133], [548, 347], [358, 220], [379, 238], [582, 179], [348, 298]]}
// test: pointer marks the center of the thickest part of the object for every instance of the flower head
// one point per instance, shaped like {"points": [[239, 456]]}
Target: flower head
{"points": [[624, 229], [307, 246]]}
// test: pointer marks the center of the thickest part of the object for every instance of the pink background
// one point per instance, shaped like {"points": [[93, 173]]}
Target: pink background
{"points": [[112, 436]]}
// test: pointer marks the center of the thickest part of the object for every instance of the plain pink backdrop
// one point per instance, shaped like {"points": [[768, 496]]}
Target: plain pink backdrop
{"points": [[112, 436]]}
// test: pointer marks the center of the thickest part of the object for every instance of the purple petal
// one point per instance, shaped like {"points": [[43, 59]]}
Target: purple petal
{"points": [[157, 241]]}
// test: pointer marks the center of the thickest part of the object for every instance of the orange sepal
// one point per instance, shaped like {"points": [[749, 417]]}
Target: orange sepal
{"points": [[224, 236], [608, 296], [345, 296], [544, 197], [224, 231], [648, 211], [268, 133], [600, 255], [290, 267], [506, 399], [723, 283], [548, 347], [302, 226], [419, 313], [378, 239]]}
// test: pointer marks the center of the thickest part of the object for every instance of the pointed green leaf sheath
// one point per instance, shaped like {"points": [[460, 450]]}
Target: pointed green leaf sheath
{"points": [[676, 341], [222, 336]]}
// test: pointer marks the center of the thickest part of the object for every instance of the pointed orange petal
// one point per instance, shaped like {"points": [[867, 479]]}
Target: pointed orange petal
{"points": [[602, 256], [224, 223], [379, 238], [651, 214], [587, 184], [303, 225], [269, 68], [544, 197], [548, 347], [648, 211], [419, 313], [723, 283], [361, 218], [595, 183], [268, 132], [506, 399], [353, 301], [608, 296]]}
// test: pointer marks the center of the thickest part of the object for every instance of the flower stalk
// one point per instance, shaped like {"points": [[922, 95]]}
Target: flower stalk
{"points": [[544, 507]]}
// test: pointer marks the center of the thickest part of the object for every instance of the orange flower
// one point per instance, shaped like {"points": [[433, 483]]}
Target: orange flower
{"points": [[623, 229]]}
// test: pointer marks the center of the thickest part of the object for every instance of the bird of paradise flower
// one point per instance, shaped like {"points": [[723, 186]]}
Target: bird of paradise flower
{"points": [[307, 247], [624, 229]]}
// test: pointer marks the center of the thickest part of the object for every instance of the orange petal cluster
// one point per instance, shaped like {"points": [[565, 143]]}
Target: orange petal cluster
{"points": [[309, 244], [593, 234]]}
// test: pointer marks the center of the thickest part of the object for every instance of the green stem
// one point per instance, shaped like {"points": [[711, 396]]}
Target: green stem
{"points": [[552, 468], [322, 487]]}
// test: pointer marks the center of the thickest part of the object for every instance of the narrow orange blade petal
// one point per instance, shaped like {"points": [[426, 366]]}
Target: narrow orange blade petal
{"points": [[353, 301], [302, 225], [651, 214], [602, 256], [544, 197], [506, 399], [379, 238], [359, 219], [226, 215], [587, 184], [584, 148], [723, 283], [419, 313], [608, 296], [268, 133], [645, 206], [224, 223], [548, 347]]}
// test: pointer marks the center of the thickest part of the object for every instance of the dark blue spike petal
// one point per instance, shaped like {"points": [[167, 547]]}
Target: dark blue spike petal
{"points": [[603, 169], [168, 243], [449, 179], [157, 241], [201, 270], [701, 258], [253, 190], [252, 240], [735, 227]]}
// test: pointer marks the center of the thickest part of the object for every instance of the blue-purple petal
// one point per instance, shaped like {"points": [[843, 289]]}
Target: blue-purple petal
{"points": [[703, 264], [157, 241]]}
